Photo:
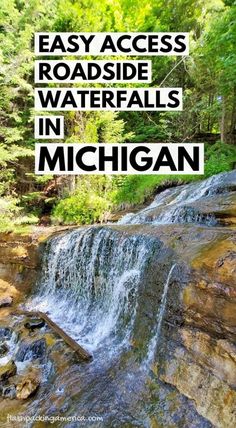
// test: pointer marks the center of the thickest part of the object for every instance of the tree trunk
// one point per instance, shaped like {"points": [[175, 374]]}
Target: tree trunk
{"points": [[223, 125], [232, 130], [72, 183], [228, 119], [81, 352]]}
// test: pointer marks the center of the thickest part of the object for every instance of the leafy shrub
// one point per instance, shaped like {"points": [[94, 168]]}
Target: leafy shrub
{"points": [[80, 208], [12, 217], [30, 219], [219, 157], [9, 207]]}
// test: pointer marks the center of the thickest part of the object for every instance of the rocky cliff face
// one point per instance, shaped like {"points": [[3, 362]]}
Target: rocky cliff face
{"points": [[197, 353], [19, 265], [200, 355], [21, 261]]}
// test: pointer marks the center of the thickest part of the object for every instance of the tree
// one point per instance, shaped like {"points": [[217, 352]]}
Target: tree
{"points": [[216, 62]]}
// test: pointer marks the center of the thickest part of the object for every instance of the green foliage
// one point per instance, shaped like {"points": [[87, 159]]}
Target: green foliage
{"points": [[81, 208], [12, 217], [16, 83], [30, 219], [89, 202], [137, 188], [208, 78], [96, 127], [9, 207], [7, 226], [147, 129], [219, 158]]}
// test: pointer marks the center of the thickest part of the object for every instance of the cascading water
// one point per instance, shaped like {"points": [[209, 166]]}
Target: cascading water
{"points": [[180, 204], [108, 288], [90, 285], [92, 275], [161, 311]]}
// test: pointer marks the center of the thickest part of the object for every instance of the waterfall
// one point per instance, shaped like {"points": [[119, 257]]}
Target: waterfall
{"points": [[92, 275], [156, 334], [182, 204], [90, 284], [184, 214], [108, 287]]}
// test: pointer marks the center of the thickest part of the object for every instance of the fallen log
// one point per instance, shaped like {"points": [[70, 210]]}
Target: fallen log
{"points": [[81, 352]]}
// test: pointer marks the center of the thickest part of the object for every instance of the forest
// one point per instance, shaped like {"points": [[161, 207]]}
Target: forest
{"points": [[207, 76]]}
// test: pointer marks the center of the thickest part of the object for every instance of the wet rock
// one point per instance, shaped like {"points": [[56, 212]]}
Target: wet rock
{"points": [[213, 398], [27, 387], [9, 391], [217, 355], [7, 370], [6, 301], [186, 214], [210, 308], [218, 260], [65, 407], [210, 299], [35, 323], [5, 333], [3, 349], [31, 350]]}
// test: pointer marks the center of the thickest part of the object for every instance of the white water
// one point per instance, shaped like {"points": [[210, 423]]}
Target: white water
{"points": [[157, 332], [11, 344], [91, 283], [92, 275], [175, 205], [90, 288]]}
